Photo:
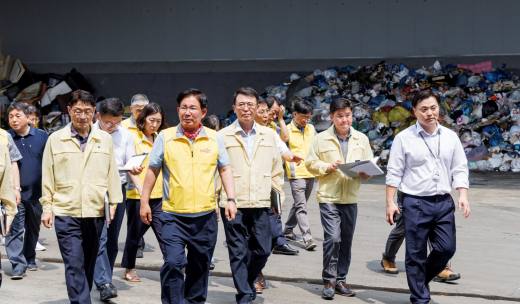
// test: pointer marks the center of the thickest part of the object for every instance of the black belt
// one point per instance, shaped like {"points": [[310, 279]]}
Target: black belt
{"points": [[431, 198]]}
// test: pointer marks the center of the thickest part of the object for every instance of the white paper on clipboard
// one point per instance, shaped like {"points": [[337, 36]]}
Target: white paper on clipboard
{"points": [[134, 161], [369, 167]]}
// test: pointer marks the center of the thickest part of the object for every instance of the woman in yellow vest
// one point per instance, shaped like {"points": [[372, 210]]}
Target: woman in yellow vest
{"points": [[149, 122]]}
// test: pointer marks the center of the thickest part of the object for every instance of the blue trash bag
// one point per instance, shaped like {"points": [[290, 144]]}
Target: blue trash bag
{"points": [[494, 135]]}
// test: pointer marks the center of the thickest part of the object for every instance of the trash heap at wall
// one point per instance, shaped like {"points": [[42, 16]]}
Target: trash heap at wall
{"points": [[479, 102]]}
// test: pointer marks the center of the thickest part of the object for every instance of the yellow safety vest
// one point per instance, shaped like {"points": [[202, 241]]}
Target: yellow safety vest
{"points": [[300, 144], [191, 169]]}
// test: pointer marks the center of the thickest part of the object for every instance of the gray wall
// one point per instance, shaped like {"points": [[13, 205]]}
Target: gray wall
{"points": [[162, 47], [161, 31]]}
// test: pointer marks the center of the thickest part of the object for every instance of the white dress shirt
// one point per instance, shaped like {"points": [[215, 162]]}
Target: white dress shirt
{"points": [[427, 165], [124, 149]]}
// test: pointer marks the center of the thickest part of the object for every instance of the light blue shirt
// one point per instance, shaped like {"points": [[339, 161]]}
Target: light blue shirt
{"points": [[429, 165]]}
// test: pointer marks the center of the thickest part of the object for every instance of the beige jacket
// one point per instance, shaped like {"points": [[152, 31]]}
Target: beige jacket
{"points": [[74, 183], [335, 187], [253, 177], [6, 184]]}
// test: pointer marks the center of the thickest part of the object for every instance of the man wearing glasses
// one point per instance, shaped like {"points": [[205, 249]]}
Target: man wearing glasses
{"points": [[257, 168], [109, 115], [78, 170]]}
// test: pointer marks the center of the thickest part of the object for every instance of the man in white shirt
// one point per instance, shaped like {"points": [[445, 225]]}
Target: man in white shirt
{"points": [[109, 115], [425, 171]]}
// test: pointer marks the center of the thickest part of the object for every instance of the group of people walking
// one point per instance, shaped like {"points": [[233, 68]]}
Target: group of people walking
{"points": [[77, 180]]}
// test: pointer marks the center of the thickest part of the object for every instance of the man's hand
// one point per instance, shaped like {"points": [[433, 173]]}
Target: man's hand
{"points": [[136, 170], [364, 176], [463, 202], [112, 212], [9, 222], [391, 210], [18, 197], [146, 213], [333, 166], [281, 112], [47, 219], [230, 210], [297, 159]]}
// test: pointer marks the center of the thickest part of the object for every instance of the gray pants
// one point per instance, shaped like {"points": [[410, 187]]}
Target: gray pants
{"points": [[339, 223], [301, 189]]}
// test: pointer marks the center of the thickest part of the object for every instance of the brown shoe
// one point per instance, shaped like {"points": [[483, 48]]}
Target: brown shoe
{"points": [[447, 275], [389, 266], [260, 283]]}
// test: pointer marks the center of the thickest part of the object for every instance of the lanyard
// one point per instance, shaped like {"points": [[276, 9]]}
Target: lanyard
{"points": [[438, 146]]}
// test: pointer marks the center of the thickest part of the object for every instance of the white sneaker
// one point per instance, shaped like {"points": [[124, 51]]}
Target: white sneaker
{"points": [[40, 247]]}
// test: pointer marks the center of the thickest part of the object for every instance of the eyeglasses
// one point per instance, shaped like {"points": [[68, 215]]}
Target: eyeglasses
{"points": [[78, 112], [244, 105]]}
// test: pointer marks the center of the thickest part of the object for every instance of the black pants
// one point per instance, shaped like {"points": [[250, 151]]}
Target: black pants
{"points": [[136, 229], [184, 277], [396, 236], [249, 239], [78, 239], [114, 230], [276, 228], [427, 218], [339, 223]]}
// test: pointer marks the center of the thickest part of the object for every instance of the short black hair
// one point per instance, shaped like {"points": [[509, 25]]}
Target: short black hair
{"points": [[212, 122], [150, 109], [270, 100], [111, 106], [340, 104], [201, 97], [83, 96], [302, 107], [20, 106], [262, 101], [247, 91], [424, 94]]}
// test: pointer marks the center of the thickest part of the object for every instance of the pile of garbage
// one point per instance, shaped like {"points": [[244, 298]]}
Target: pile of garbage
{"points": [[479, 102], [49, 93]]}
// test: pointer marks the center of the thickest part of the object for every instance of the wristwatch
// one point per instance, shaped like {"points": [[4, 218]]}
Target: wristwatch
{"points": [[232, 200]]}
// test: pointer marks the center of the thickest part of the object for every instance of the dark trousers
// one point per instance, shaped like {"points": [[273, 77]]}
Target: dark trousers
{"points": [[114, 229], [396, 236], [249, 240], [21, 241], [184, 277], [136, 229], [108, 246], [427, 218], [339, 223], [78, 239], [275, 221]]}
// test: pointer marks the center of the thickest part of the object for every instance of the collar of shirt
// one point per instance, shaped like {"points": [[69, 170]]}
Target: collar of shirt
{"points": [[419, 129], [180, 132], [74, 133], [238, 129], [296, 127], [32, 131], [341, 140]]}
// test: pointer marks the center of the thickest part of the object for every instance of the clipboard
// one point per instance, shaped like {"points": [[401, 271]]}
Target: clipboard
{"points": [[369, 167], [276, 201], [134, 161]]}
